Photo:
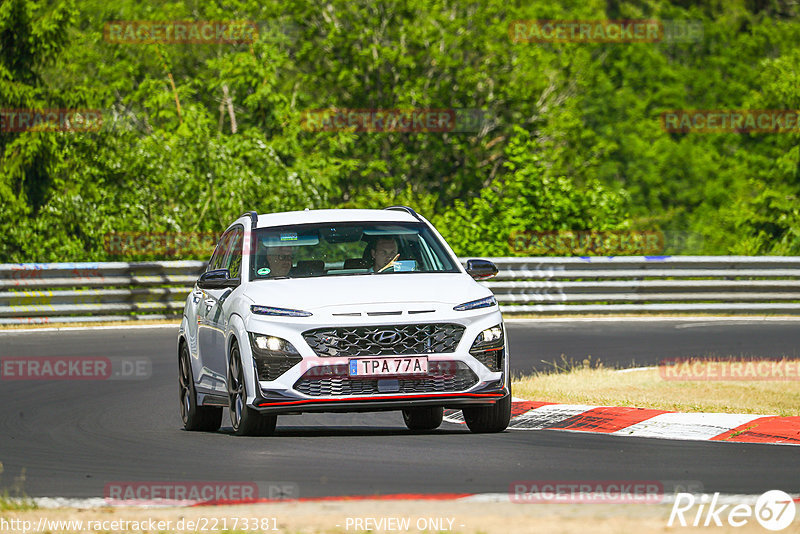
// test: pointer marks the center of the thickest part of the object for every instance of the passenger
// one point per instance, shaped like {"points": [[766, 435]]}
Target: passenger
{"points": [[384, 254]]}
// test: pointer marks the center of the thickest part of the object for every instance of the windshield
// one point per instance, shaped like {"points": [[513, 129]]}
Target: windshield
{"points": [[335, 249]]}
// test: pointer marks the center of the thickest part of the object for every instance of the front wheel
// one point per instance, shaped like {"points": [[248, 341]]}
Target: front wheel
{"points": [[245, 420], [194, 417], [427, 418], [494, 418]]}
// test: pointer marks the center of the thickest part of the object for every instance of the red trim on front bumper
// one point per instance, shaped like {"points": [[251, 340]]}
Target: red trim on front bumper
{"points": [[389, 397]]}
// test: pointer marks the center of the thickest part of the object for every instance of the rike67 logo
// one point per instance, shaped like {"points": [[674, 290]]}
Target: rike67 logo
{"points": [[774, 510]]}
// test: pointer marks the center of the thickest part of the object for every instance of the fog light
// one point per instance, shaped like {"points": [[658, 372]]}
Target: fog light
{"points": [[272, 355], [489, 335], [273, 345], [488, 348]]}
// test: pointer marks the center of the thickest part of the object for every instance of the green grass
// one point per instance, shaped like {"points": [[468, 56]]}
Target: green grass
{"points": [[8, 503], [15, 499]]}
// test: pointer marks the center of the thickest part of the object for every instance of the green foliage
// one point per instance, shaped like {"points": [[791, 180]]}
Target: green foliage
{"points": [[528, 197], [195, 134]]}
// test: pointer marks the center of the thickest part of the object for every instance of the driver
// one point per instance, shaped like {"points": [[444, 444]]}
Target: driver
{"points": [[384, 253], [280, 260]]}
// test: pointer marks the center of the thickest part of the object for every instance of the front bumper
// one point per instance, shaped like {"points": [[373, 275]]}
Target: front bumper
{"points": [[317, 383], [274, 403]]}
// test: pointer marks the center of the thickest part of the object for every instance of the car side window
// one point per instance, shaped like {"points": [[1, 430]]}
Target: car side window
{"points": [[234, 257], [220, 252]]}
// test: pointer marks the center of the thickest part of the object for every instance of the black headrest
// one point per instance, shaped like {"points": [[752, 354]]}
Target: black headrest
{"points": [[307, 267], [357, 263]]}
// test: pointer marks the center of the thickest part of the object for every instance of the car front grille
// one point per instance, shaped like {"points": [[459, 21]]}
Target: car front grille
{"points": [[428, 338], [442, 377]]}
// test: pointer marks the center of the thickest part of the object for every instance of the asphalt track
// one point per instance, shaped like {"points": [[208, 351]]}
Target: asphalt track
{"points": [[71, 438]]}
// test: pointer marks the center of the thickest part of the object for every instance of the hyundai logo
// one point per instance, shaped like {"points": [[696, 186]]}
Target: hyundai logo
{"points": [[386, 337], [331, 341]]}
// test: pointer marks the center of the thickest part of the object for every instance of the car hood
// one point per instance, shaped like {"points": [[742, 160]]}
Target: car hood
{"points": [[368, 292]]}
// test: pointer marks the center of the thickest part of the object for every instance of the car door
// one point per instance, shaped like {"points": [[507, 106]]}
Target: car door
{"points": [[207, 378], [190, 311], [217, 312]]}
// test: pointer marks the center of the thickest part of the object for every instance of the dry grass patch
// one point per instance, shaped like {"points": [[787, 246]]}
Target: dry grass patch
{"points": [[588, 383]]}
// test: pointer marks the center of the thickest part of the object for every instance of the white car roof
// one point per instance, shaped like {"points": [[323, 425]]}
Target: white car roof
{"points": [[334, 215]]}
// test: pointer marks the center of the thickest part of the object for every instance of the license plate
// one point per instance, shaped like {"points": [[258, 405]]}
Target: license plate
{"points": [[411, 365]]}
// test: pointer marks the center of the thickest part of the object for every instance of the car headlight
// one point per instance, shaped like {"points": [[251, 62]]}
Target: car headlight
{"points": [[475, 304], [280, 312]]}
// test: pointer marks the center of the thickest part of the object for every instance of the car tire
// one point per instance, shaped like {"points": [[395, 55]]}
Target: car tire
{"points": [[494, 418], [420, 419], [245, 421], [205, 418]]}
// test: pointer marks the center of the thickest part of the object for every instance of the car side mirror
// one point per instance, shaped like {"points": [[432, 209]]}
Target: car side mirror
{"points": [[481, 269], [216, 279]]}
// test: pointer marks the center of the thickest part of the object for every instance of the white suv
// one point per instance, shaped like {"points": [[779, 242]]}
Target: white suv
{"points": [[341, 311]]}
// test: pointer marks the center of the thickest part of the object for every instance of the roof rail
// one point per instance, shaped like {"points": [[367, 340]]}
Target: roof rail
{"points": [[408, 210], [253, 218]]}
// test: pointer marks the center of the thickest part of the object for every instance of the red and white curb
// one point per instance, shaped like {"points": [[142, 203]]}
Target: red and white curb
{"points": [[649, 423]]}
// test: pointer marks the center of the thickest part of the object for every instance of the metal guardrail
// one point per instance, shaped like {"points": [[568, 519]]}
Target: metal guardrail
{"points": [[93, 292], [85, 292], [643, 284]]}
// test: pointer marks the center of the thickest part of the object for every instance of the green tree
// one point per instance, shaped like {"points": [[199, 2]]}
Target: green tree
{"points": [[528, 198]]}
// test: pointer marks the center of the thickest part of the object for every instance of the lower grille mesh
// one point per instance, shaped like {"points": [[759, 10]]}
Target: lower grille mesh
{"points": [[272, 368], [442, 377], [493, 360]]}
